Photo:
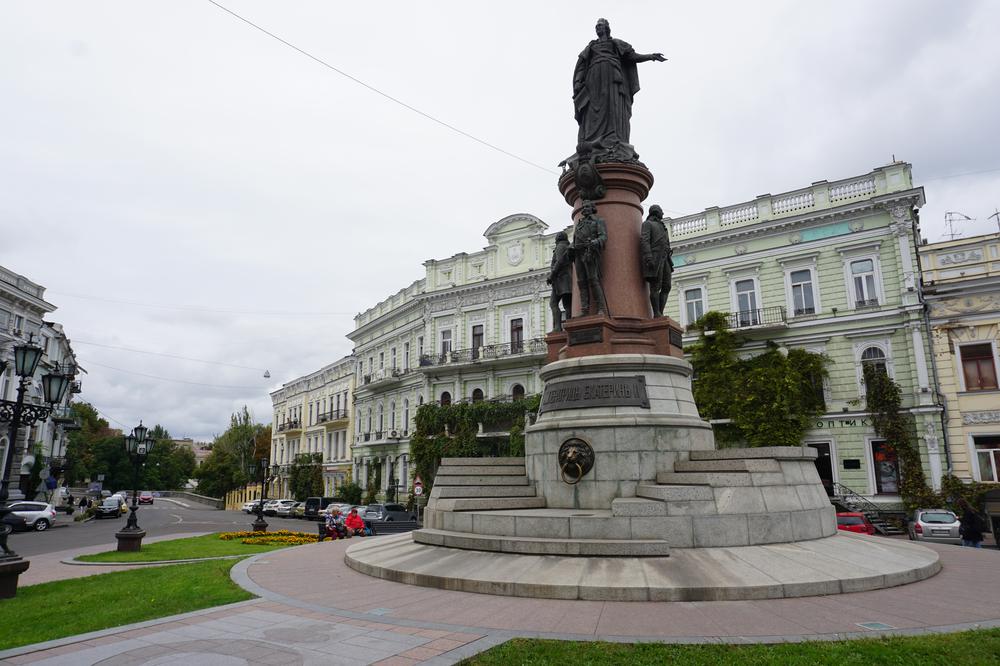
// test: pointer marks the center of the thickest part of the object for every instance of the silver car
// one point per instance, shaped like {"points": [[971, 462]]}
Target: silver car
{"points": [[934, 526], [38, 516]]}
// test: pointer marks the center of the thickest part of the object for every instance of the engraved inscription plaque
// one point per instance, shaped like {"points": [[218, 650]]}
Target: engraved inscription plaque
{"points": [[675, 338], [585, 335], [595, 392]]}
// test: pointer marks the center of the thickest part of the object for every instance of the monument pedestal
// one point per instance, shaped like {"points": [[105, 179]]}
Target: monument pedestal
{"points": [[10, 569], [130, 541], [595, 335]]}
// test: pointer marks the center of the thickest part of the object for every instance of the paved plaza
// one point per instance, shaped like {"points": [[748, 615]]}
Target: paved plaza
{"points": [[313, 609]]}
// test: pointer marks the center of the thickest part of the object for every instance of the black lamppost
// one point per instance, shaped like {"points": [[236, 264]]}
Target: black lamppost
{"points": [[260, 525], [54, 385], [137, 446]]}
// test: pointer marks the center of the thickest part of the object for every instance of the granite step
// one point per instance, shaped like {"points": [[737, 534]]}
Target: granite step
{"points": [[728, 465], [480, 480], [515, 460], [637, 507], [675, 493], [543, 545], [781, 452], [480, 470], [450, 492], [488, 503], [713, 479]]}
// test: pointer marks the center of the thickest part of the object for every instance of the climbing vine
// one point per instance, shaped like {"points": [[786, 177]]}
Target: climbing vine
{"points": [[453, 431], [896, 427], [770, 399]]}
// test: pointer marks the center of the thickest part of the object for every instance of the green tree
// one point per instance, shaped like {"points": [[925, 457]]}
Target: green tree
{"points": [[80, 457], [305, 478], [350, 492], [234, 455]]}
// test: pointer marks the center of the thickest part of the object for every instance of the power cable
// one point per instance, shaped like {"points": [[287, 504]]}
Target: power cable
{"points": [[194, 308], [384, 94], [183, 358], [177, 381]]}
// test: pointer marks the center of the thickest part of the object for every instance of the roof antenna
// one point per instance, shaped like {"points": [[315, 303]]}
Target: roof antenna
{"points": [[949, 218]]}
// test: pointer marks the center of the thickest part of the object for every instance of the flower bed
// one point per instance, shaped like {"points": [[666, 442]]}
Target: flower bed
{"points": [[278, 537]]}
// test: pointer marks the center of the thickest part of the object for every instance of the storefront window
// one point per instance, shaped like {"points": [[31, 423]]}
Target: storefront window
{"points": [[886, 464]]}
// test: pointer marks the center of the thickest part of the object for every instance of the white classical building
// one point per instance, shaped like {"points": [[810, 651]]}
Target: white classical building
{"points": [[22, 311], [470, 329]]}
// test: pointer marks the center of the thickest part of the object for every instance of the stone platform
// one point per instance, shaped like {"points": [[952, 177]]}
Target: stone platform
{"points": [[832, 565]]}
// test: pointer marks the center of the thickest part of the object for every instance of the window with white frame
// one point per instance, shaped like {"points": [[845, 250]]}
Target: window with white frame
{"points": [[392, 358], [864, 288], [694, 304], [979, 372], [392, 415], [406, 414], [875, 357], [987, 448], [381, 360], [445, 342], [802, 291], [406, 355], [420, 346], [745, 297]]}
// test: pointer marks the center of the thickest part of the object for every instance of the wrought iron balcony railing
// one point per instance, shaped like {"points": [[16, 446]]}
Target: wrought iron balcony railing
{"points": [[292, 424], [485, 352], [332, 415], [773, 316], [865, 303]]}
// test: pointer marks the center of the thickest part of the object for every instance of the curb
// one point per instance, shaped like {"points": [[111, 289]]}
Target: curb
{"points": [[79, 563]]}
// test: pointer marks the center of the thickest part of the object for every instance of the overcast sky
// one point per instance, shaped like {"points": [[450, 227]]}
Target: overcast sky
{"points": [[182, 183]]}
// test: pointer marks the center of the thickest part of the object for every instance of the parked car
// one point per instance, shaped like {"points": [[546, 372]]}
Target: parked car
{"points": [[37, 516], [935, 525], [299, 510], [111, 507], [146, 497], [250, 507], [283, 508], [315, 505], [855, 522], [387, 513]]}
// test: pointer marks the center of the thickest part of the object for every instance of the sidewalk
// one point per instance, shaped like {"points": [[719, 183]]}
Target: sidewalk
{"points": [[313, 609]]}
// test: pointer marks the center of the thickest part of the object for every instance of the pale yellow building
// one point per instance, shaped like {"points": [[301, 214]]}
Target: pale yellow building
{"points": [[312, 414], [961, 283]]}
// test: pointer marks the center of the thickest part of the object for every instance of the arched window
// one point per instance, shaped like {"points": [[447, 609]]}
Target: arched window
{"points": [[517, 392], [477, 395], [420, 400], [874, 357], [445, 399]]}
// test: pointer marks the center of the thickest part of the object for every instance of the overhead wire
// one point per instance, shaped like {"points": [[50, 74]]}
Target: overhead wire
{"points": [[382, 93], [205, 310], [165, 355], [177, 381]]}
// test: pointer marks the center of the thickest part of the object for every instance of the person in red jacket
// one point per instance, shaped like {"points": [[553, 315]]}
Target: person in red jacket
{"points": [[354, 524]]}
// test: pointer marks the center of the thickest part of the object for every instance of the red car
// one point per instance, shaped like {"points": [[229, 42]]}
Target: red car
{"points": [[855, 522], [145, 497]]}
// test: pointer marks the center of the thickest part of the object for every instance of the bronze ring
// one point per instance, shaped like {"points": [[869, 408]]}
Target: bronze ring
{"points": [[579, 474]]}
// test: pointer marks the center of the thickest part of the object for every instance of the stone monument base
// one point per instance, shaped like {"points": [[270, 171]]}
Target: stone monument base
{"points": [[10, 569], [598, 335], [832, 565], [130, 541]]}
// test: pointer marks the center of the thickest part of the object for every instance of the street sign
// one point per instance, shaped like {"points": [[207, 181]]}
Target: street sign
{"points": [[418, 486]]}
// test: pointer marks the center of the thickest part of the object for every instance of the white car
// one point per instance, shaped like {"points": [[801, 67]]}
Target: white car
{"points": [[283, 508], [251, 506], [39, 516]]}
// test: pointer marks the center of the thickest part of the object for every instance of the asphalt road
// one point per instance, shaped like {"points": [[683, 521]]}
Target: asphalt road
{"points": [[164, 516]]}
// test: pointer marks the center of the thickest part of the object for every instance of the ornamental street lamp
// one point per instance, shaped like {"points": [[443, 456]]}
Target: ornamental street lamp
{"points": [[137, 445], [26, 358], [260, 525]]}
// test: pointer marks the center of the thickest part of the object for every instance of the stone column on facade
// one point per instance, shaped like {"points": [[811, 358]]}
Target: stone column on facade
{"points": [[933, 453], [920, 361]]}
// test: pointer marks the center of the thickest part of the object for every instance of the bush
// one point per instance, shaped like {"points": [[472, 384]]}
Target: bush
{"points": [[351, 492]]}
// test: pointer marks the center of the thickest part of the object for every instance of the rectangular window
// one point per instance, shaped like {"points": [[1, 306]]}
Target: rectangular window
{"points": [[863, 281], [988, 455], [406, 354], [381, 360], [420, 345], [802, 292], [694, 305], [886, 465], [392, 358], [18, 324], [978, 368], [516, 335], [746, 303], [445, 342], [477, 339]]}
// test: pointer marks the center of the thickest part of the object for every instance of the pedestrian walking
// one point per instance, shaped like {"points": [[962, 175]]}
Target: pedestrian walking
{"points": [[972, 527]]}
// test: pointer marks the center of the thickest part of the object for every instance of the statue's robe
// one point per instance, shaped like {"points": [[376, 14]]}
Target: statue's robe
{"points": [[605, 80]]}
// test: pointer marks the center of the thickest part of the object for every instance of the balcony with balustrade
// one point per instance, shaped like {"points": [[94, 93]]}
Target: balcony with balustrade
{"points": [[504, 354], [65, 417], [819, 196], [335, 418], [761, 318], [290, 426]]}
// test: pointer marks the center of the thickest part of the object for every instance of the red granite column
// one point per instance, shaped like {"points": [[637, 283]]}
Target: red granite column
{"points": [[629, 327]]}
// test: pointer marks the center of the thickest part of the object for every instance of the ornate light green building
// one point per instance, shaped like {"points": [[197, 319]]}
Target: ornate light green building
{"points": [[830, 268]]}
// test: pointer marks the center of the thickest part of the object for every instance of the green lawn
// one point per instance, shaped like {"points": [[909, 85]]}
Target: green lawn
{"points": [[208, 545], [969, 647], [69, 607]]}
